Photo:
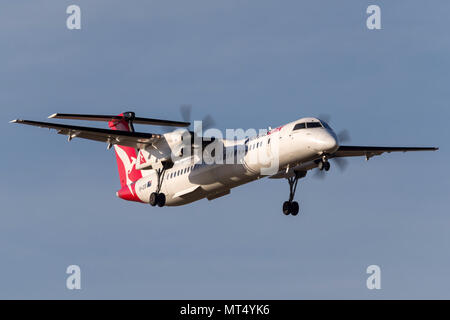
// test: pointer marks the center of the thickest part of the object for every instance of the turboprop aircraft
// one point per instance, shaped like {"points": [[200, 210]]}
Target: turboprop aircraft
{"points": [[173, 168]]}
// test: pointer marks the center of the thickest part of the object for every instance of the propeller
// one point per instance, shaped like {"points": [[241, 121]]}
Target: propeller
{"points": [[186, 112], [325, 117], [197, 132], [342, 136], [319, 174], [340, 163]]}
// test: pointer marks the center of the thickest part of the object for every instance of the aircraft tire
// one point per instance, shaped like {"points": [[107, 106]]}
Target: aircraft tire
{"points": [[161, 199], [320, 165], [294, 208], [286, 208], [153, 199]]}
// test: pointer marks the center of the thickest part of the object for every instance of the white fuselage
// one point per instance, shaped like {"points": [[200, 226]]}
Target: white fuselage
{"points": [[278, 152]]}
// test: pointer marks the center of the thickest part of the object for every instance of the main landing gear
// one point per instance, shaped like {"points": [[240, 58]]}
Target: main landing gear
{"points": [[158, 198], [290, 206]]}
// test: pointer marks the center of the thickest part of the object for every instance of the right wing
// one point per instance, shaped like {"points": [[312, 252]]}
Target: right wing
{"points": [[131, 139], [348, 151]]}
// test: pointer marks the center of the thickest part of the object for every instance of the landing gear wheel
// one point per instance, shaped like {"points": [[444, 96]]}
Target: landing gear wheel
{"points": [[153, 199], [294, 208], [326, 166], [321, 165], [161, 199], [286, 207]]}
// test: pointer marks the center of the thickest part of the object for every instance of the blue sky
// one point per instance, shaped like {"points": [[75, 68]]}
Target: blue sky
{"points": [[251, 64]]}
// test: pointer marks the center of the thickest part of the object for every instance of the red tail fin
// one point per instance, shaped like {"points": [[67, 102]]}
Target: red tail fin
{"points": [[126, 156]]}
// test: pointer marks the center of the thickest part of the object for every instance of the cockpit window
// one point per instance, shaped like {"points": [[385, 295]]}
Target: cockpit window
{"points": [[301, 125], [313, 125]]}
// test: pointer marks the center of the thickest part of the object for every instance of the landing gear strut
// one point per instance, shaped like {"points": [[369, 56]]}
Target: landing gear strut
{"points": [[290, 206], [158, 198]]}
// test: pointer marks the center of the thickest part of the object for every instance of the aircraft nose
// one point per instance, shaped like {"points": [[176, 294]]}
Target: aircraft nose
{"points": [[330, 144], [327, 143]]}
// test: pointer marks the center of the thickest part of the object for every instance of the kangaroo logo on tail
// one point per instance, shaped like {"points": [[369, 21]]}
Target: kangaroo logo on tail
{"points": [[126, 156]]}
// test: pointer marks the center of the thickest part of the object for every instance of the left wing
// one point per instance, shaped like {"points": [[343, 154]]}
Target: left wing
{"points": [[368, 152], [125, 138]]}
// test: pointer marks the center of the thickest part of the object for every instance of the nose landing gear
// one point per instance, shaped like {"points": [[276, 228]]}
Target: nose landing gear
{"points": [[290, 206], [324, 164]]}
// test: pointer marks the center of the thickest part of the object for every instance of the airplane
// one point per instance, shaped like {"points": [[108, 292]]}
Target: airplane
{"points": [[150, 173]]}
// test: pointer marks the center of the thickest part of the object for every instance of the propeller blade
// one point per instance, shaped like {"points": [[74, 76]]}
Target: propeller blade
{"points": [[207, 122], [325, 117], [343, 136], [185, 111], [319, 174], [341, 163]]}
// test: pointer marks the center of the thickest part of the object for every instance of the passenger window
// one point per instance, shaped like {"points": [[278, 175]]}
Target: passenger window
{"points": [[299, 126]]}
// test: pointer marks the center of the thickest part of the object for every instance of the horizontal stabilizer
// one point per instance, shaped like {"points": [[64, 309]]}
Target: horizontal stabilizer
{"points": [[127, 116]]}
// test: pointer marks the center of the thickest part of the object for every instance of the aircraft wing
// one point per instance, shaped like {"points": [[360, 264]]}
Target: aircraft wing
{"points": [[348, 151], [370, 151], [131, 139]]}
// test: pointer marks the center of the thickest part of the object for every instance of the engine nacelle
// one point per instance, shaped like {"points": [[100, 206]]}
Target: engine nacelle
{"points": [[161, 153]]}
